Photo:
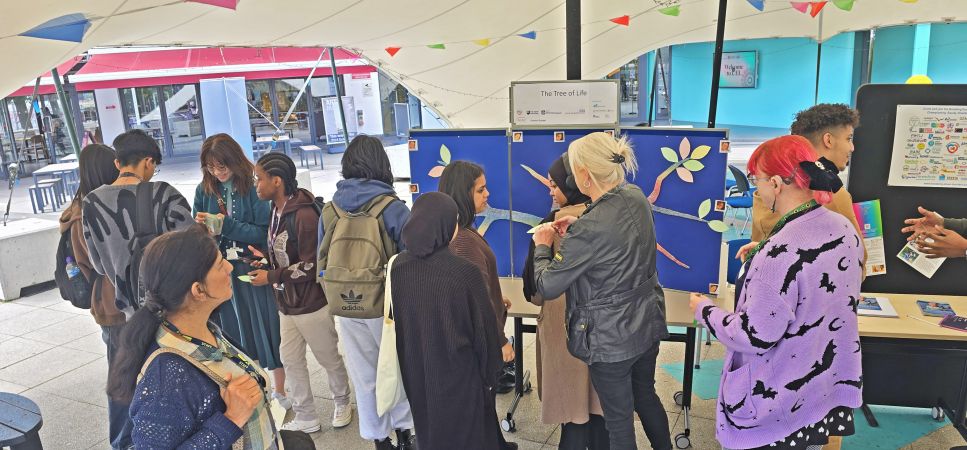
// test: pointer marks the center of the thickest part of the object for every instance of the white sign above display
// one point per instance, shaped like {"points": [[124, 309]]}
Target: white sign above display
{"points": [[553, 103]]}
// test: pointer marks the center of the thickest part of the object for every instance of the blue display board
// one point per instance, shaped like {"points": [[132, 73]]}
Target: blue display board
{"points": [[432, 150], [688, 203], [531, 200]]}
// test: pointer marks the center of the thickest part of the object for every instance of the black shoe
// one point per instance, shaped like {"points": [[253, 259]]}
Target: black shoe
{"points": [[406, 440], [385, 444]]}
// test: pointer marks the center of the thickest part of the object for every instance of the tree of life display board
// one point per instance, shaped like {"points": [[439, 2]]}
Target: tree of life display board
{"points": [[682, 171]]}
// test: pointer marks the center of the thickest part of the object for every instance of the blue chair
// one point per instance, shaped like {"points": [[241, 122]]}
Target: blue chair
{"points": [[734, 264], [740, 196]]}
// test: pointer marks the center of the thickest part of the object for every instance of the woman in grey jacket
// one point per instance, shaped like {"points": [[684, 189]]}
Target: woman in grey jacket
{"points": [[615, 307]]}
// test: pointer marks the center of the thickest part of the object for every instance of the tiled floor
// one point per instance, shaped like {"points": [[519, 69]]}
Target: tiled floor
{"points": [[52, 353]]}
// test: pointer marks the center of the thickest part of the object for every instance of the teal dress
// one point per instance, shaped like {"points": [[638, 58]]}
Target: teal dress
{"points": [[250, 319]]}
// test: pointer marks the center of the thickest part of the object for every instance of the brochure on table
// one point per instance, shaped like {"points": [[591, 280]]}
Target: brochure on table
{"points": [[929, 146], [876, 306], [871, 224]]}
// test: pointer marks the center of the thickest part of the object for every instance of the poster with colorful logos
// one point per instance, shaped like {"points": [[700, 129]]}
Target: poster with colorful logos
{"points": [[929, 146], [871, 224]]}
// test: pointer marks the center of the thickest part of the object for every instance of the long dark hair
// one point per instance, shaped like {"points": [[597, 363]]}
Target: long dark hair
{"points": [[97, 168], [366, 158], [457, 181], [223, 149], [171, 264], [280, 165]]}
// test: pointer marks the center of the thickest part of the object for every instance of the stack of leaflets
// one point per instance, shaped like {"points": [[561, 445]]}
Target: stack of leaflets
{"points": [[954, 322], [935, 309], [875, 306]]}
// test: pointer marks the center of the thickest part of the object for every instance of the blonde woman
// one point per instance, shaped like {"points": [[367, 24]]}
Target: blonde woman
{"points": [[615, 307]]}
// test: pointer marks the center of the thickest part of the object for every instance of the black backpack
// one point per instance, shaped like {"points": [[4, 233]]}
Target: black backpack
{"points": [[144, 232], [77, 290]]}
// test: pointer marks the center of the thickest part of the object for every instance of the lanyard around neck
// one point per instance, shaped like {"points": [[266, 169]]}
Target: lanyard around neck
{"points": [[785, 219]]}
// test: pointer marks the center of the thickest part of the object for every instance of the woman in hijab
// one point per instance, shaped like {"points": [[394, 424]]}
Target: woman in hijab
{"points": [[447, 339], [563, 381]]}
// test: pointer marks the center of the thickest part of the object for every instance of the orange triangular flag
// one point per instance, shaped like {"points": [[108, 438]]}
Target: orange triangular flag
{"points": [[815, 8], [392, 50], [623, 20]]}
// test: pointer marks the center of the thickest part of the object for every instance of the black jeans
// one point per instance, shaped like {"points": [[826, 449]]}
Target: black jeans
{"points": [[592, 435], [629, 386], [119, 419]]}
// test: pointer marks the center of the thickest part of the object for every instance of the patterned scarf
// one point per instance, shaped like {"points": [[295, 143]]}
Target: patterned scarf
{"points": [[259, 432]]}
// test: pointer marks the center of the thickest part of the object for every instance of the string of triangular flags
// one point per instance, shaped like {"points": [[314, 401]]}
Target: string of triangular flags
{"points": [[671, 8]]}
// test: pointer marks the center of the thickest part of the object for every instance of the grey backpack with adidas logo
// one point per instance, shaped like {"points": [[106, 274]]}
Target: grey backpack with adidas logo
{"points": [[352, 258]]}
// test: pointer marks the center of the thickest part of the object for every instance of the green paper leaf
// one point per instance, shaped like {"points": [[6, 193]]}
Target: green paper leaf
{"points": [[671, 10], [444, 154], [669, 154], [437, 46], [718, 225], [704, 208], [693, 165], [701, 151]]}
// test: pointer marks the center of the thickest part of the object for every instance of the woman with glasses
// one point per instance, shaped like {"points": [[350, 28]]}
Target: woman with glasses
{"points": [[792, 373], [225, 201]]}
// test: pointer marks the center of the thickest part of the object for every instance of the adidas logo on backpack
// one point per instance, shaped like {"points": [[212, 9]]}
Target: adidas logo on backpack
{"points": [[352, 258]]}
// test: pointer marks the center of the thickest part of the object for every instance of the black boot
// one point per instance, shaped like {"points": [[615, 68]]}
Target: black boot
{"points": [[406, 440], [385, 444]]}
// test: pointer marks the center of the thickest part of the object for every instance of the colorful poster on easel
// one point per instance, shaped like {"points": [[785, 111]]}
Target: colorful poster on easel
{"points": [[929, 146], [870, 220]]}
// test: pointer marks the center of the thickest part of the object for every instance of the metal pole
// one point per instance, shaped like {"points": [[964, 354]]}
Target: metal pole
{"points": [[819, 57], [654, 86], [66, 111], [342, 112], [573, 24], [717, 63]]}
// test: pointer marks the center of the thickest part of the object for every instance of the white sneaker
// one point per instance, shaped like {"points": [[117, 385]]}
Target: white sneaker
{"points": [[283, 400], [342, 416], [307, 426]]}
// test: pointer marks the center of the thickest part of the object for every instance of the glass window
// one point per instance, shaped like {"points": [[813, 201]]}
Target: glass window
{"points": [[320, 87], [297, 125], [259, 98], [6, 146], [92, 126], [32, 144], [184, 123], [142, 107]]}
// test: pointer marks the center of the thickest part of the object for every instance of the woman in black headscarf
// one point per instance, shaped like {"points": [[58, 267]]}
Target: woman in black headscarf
{"points": [[446, 337]]}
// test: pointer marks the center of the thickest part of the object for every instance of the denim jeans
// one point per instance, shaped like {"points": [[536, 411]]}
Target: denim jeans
{"points": [[627, 387], [119, 417]]}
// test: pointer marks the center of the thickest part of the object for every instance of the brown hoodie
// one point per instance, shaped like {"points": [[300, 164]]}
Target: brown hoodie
{"points": [[292, 259], [103, 308]]}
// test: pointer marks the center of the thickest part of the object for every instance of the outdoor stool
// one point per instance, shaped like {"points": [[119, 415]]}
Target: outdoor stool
{"points": [[313, 150], [20, 423], [40, 195]]}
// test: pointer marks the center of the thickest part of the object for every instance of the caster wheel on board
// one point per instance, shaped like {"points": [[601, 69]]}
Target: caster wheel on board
{"points": [[937, 414], [679, 398], [682, 441], [508, 425], [527, 386]]}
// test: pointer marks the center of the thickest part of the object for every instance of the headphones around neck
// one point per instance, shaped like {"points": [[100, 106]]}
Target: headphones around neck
{"points": [[570, 182]]}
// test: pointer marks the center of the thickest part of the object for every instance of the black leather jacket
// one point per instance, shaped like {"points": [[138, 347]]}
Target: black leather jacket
{"points": [[606, 263]]}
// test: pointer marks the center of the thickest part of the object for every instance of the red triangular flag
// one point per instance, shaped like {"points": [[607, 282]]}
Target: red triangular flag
{"points": [[392, 50], [623, 20], [815, 8], [228, 4], [800, 6]]}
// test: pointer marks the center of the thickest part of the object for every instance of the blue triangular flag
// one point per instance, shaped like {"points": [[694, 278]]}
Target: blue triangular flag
{"points": [[70, 28], [758, 4], [529, 35]]}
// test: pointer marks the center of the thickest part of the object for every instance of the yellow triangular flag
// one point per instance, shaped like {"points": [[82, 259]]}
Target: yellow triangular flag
{"points": [[482, 42]]}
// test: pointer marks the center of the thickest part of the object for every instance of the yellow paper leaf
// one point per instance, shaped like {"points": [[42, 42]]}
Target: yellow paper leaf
{"points": [[718, 225], [693, 165], [701, 151], [704, 208], [445, 154]]}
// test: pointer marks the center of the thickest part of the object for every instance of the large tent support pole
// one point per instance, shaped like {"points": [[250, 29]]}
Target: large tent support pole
{"points": [[339, 94], [717, 63], [654, 86], [65, 110], [819, 56], [573, 24]]}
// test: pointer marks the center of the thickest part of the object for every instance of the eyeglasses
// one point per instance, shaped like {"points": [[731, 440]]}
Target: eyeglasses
{"points": [[786, 180], [214, 168], [753, 179]]}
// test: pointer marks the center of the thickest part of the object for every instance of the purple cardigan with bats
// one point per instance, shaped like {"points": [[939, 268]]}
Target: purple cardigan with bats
{"points": [[793, 350]]}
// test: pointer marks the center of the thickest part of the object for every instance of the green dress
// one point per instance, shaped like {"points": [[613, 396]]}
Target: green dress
{"points": [[250, 319]]}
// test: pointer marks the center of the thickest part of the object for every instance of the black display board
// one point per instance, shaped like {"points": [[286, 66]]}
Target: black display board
{"points": [[869, 170]]}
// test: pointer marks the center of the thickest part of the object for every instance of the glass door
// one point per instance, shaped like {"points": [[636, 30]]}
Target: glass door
{"points": [[184, 122], [142, 108]]}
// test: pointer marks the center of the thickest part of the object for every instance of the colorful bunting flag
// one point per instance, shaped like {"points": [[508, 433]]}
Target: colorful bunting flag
{"points": [[482, 42], [845, 5], [758, 4], [816, 7], [800, 6], [70, 28], [623, 20], [671, 10], [529, 35], [909, 1], [228, 4], [437, 46], [392, 51]]}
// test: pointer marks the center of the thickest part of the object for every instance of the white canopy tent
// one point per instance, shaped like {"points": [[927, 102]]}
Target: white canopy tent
{"points": [[467, 81]]}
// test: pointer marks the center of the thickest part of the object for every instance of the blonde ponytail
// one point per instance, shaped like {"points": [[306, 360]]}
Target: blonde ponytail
{"points": [[609, 161]]}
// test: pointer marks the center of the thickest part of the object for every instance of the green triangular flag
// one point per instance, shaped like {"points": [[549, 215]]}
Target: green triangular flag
{"points": [[437, 46], [845, 5], [670, 11]]}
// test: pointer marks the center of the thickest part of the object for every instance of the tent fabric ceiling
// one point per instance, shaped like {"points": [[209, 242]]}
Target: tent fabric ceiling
{"points": [[466, 83]]}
